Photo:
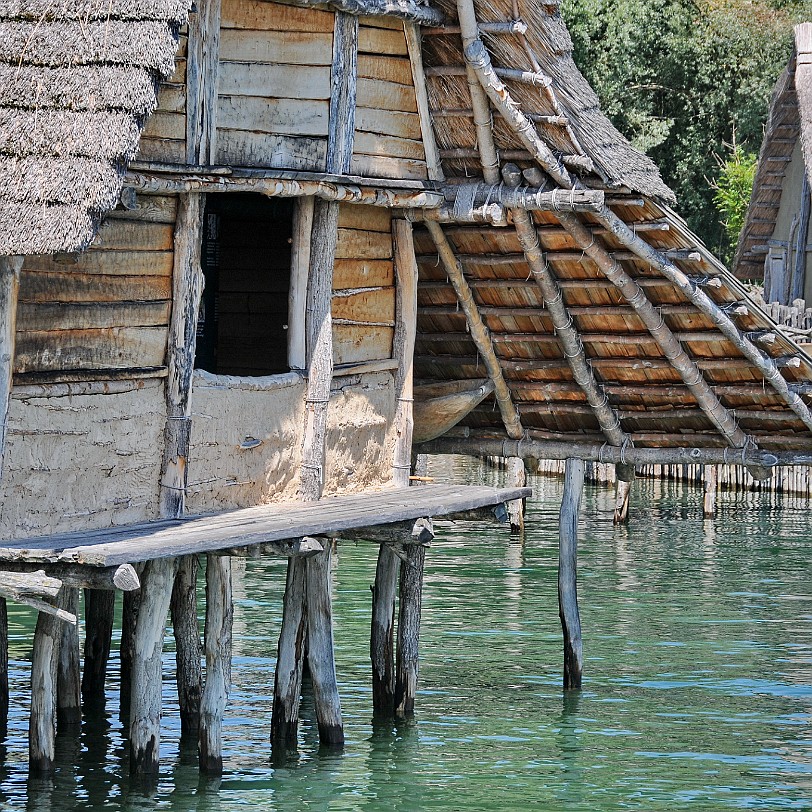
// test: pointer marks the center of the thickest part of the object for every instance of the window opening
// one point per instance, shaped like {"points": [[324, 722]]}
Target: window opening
{"points": [[246, 257]]}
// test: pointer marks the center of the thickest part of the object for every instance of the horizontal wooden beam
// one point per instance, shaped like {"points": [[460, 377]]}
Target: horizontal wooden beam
{"points": [[408, 532], [597, 452], [123, 577]]}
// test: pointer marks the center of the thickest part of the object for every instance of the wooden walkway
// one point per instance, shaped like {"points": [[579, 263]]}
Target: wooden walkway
{"points": [[256, 525]]}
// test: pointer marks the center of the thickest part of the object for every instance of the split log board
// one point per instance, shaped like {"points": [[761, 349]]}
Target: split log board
{"points": [[255, 525]]}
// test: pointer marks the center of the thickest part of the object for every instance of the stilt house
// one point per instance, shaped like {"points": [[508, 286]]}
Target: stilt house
{"points": [[231, 241], [774, 246]]}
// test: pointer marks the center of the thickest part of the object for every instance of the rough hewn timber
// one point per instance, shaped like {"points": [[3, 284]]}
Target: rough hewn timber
{"points": [[567, 574], [408, 646], [68, 692], [188, 647], [99, 612], [9, 286]]}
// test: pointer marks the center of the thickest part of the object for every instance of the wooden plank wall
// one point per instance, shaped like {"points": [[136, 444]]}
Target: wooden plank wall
{"points": [[164, 136], [274, 85], [388, 141], [107, 308], [363, 286]]}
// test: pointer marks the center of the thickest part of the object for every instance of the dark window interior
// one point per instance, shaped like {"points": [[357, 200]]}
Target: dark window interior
{"points": [[242, 328]]}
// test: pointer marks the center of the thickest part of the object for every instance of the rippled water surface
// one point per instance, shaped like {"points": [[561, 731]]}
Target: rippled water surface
{"points": [[697, 689]]}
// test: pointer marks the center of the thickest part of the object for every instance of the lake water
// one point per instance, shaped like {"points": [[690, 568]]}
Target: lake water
{"points": [[697, 684]]}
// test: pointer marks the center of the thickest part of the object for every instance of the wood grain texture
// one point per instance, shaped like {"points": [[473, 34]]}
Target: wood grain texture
{"points": [[99, 613], [188, 647], [567, 574], [9, 287], [201, 83], [382, 640], [409, 611]]}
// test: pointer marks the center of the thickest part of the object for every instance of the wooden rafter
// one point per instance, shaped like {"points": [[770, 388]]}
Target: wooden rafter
{"points": [[479, 332]]}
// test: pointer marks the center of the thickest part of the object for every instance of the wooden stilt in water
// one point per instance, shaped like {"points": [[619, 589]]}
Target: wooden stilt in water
{"points": [[68, 691], [44, 674], [516, 476], [188, 648], [219, 616], [709, 487], [567, 573], [320, 649], [145, 699], [289, 659], [99, 609], [623, 488], [3, 671], [382, 639], [411, 597], [129, 618]]}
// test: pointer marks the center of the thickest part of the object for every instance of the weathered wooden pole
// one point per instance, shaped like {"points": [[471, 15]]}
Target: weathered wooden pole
{"points": [[320, 649], [411, 598], [515, 476], [129, 618], [625, 473], [4, 696], [289, 658], [188, 648], [381, 642], [219, 617], [709, 485], [69, 694], [567, 573], [99, 610], [9, 287], [145, 698], [44, 675]]}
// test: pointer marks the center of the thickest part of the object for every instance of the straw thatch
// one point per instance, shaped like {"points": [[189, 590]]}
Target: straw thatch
{"points": [[77, 80], [789, 119]]}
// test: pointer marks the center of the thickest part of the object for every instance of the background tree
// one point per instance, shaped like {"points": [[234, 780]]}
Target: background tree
{"points": [[677, 77]]}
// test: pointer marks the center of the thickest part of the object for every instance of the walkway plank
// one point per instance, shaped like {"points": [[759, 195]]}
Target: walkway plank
{"points": [[243, 528]]}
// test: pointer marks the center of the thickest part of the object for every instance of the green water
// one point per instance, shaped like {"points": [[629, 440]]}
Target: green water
{"points": [[697, 689]]}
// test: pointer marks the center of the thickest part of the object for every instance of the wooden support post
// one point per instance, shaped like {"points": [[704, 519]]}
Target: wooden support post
{"points": [[203, 54], [145, 700], [622, 492], [411, 598], [289, 659], [516, 477], [381, 642], [9, 286], [709, 485], [68, 691], [320, 649], [567, 574], [4, 696], [219, 616], [99, 610], [188, 648], [44, 671], [129, 618]]}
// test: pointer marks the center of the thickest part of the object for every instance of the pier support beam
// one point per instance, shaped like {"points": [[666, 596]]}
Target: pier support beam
{"points": [[411, 597], [289, 660], [3, 672], [382, 638], [219, 617], [44, 674], [567, 574], [69, 695], [320, 649], [516, 477], [100, 607], [709, 485], [188, 649], [145, 699]]}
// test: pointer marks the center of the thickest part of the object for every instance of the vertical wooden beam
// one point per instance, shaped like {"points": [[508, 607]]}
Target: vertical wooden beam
{"points": [[799, 271], [515, 476], [320, 649], [381, 641], [69, 694], [99, 612], [343, 78], [289, 658], [9, 287], [188, 648], [411, 598], [202, 64], [709, 486], [219, 617], [622, 493], [187, 287], [145, 701], [300, 270], [567, 573], [44, 671], [129, 618], [4, 696], [414, 47]]}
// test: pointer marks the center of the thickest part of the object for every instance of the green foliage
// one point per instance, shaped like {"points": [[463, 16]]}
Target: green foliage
{"points": [[732, 191], [677, 77]]}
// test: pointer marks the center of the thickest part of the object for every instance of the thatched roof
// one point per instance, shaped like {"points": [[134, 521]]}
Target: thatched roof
{"points": [[77, 80], [581, 128], [790, 119], [721, 374]]}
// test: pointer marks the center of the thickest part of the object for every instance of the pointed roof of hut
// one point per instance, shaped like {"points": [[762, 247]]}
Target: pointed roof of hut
{"points": [[78, 78], [789, 120]]}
